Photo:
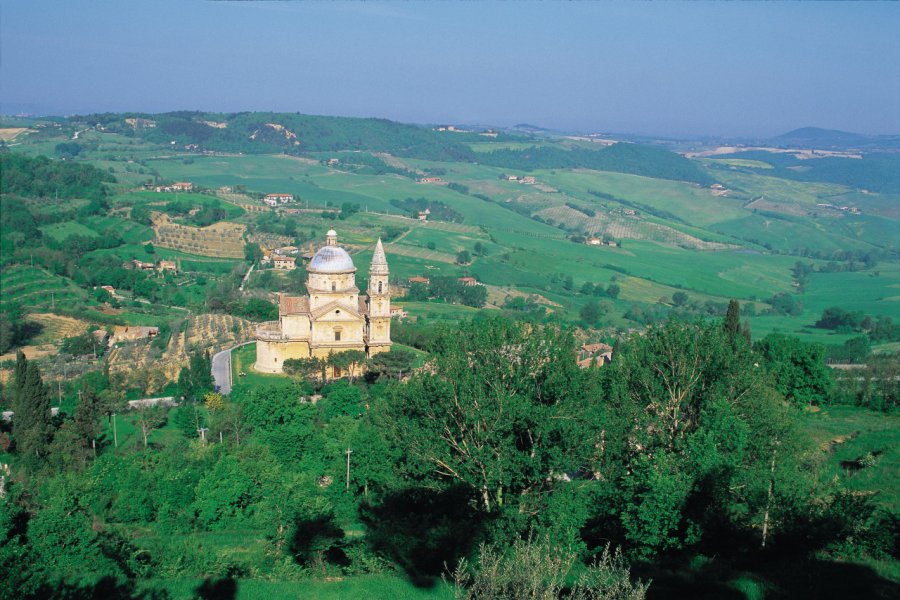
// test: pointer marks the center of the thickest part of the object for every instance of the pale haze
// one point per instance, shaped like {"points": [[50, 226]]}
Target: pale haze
{"points": [[675, 69]]}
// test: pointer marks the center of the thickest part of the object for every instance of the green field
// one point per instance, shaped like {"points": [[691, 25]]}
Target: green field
{"points": [[35, 287], [846, 434]]}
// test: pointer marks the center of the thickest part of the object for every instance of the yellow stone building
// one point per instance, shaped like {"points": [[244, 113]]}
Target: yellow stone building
{"points": [[333, 316]]}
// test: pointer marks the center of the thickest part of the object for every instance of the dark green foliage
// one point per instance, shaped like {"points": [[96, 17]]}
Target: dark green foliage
{"points": [[621, 157], [496, 417], [785, 304], [874, 171], [854, 350], [733, 319], [41, 177], [31, 404], [438, 211], [196, 379], [309, 369], [15, 328], [612, 290], [88, 414], [392, 365], [258, 309], [449, 289], [68, 149], [79, 345], [798, 368], [881, 328], [691, 427], [591, 312], [585, 211], [877, 386]]}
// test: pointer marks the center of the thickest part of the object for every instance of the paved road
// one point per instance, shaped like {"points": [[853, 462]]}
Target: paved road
{"points": [[221, 368]]}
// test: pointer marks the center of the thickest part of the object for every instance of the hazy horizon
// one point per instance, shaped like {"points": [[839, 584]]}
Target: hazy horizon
{"points": [[700, 69]]}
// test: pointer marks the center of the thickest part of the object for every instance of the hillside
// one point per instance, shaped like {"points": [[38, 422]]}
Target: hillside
{"points": [[645, 223], [300, 135]]}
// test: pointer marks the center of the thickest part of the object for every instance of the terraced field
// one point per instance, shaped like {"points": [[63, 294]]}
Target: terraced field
{"points": [[34, 287], [224, 239]]}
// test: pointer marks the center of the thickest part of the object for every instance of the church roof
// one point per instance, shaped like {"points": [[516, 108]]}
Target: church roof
{"points": [[331, 259], [324, 310], [379, 261], [291, 305]]}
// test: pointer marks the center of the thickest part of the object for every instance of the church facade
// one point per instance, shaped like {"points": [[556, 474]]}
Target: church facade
{"points": [[332, 316]]}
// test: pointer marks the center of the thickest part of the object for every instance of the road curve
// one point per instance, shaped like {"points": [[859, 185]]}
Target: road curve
{"points": [[221, 368]]}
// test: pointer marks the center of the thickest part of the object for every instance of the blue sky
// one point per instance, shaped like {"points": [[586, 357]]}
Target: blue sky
{"points": [[720, 68]]}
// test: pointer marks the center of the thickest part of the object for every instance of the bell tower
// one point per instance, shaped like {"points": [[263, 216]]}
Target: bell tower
{"points": [[379, 326]]}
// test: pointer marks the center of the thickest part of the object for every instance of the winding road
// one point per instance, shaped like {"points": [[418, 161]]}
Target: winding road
{"points": [[221, 368]]}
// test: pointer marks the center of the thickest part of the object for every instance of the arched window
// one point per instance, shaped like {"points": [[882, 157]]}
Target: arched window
{"points": [[337, 335], [379, 287], [333, 286]]}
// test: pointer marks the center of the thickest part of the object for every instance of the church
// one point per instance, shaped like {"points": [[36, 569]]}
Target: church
{"points": [[332, 316]]}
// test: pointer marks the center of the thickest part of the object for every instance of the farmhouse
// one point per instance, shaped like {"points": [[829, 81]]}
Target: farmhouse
{"points": [[278, 198], [180, 186], [436, 180], [468, 281], [419, 279], [423, 215], [528, 180], [287, 263], [333, 316], [141, 265], [167, 265]]}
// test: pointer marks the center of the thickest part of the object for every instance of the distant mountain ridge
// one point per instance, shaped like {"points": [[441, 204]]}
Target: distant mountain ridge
{"points": [[297, 134], [819, 138]]}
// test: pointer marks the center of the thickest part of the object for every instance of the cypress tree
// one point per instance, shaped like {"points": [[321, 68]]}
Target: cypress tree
{"points": [[733, 319], [87, 416], [18, 375], [31, 422], [746, 332]]}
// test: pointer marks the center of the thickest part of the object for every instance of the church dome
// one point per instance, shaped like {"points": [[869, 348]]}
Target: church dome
{"points": [[331, 259]]}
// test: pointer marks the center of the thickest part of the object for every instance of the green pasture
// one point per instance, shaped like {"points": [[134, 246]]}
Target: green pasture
{"points": [[689, 202], [187, 262], [439, 311], [131, 232], [775, 189], [717, 273], [736, 162], [242, 361], [424, 233], [60, 231]]}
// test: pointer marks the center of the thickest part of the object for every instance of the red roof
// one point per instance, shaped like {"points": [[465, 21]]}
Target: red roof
{"points": [[293, 305]]}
